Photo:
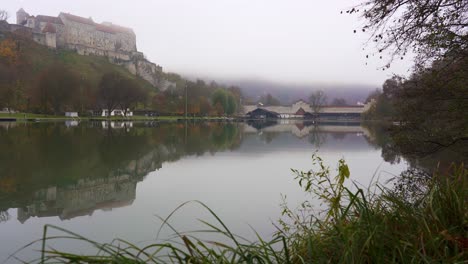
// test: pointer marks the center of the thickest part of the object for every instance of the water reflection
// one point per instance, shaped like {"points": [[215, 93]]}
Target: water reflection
{"points": [[73, 169], [82, 198], [101, 177], [51, 169], [393, 150]]}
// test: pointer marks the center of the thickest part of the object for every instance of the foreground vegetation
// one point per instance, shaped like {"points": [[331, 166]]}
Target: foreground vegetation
{"points": [[358, 226]]}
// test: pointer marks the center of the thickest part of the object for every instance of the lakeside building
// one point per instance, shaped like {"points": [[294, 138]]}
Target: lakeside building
{"points": [[300, 110], [117, 112]]}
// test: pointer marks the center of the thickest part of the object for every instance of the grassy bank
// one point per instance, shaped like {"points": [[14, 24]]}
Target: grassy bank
{"points": [[359, 226], [39, 117]]}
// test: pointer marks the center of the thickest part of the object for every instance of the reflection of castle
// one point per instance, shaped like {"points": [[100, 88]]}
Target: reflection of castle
{"points": [[82, 198]]}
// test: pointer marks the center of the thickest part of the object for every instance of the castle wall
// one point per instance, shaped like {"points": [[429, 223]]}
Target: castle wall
{"points": [[90, 36], [40, 38], [85, 50], [51, 40]]}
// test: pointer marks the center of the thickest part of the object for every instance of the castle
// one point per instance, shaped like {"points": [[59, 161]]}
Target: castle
{"points": [[86, 37]]}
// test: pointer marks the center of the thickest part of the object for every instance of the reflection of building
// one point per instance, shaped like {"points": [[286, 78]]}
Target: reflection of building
{"points": [[81, 199], [116, 125], [117, 112], [302, 129], [71, 123], [301, 109]]}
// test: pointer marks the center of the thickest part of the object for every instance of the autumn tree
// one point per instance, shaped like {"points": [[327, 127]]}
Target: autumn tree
{"points": [[56, 90], [8, 51], [110, 93], [268, 99], [4, 15], [8, 74], [431, 29], [131, 93], [219, 100], [205, 106], [339, 102], [225, 100], [231, 104], [6, 86], [317, 100]]}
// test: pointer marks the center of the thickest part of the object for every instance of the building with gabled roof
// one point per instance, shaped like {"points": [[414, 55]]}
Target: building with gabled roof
{"points": [[302, 110]]}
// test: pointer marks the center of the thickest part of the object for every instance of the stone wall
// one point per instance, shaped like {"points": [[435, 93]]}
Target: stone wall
{"points": [[51, 40], [96, 36]]}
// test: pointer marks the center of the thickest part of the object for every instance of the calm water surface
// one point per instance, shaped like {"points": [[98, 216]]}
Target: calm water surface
{"points": [[107, 181]]}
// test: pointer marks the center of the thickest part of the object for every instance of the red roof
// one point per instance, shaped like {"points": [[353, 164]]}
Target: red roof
{"points": [[300, 111], [117, 28], [105, 29], [79, 19], [49, 28], [341, 106], [49, 19]]}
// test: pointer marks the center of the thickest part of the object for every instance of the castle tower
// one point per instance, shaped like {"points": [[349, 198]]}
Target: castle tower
{"points": [[21, 16], [51, 36]]}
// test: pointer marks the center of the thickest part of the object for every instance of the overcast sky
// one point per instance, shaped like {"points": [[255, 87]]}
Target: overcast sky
{"points": [[289, 41]]}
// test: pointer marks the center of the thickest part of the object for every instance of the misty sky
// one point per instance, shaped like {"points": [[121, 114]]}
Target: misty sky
{"points": [[294, 41]]}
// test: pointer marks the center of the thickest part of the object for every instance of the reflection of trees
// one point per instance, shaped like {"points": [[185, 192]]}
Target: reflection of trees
{"points": [[268, 137], [394, 148], [45, 155], [316, 137], [4, 216], [338, 136], [379, 137], [259, 124], [411, 185]]}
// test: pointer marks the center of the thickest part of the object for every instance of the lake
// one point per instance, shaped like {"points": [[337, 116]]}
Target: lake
{"points": [[111, 180]]}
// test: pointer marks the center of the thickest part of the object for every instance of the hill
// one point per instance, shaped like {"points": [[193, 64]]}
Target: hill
{"points": [[22, 61]]}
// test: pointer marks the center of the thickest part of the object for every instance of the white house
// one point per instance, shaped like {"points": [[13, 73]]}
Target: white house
{"points": [[117, 112], [71, 114]]}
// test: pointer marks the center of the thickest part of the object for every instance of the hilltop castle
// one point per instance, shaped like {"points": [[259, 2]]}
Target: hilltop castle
{"points": [[86, 37]]}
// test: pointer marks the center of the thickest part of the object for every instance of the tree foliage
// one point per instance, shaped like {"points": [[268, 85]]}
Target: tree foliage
{"points": [[4, 15], [430, 28], [317, 100], [268, 99], [430, 106], [109, 93], [130, 94], [117, 91], [225, 100], [339, 102], [57, 89]]}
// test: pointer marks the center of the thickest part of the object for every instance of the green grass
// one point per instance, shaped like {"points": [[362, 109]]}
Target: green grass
{"points": [[27, 116], [358, 226]]}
